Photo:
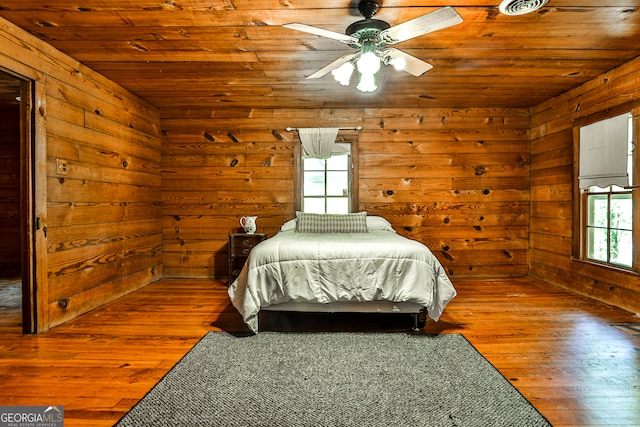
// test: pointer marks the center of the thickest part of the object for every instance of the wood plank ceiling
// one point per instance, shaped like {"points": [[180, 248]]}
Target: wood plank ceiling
{"points": [[236, 54]]}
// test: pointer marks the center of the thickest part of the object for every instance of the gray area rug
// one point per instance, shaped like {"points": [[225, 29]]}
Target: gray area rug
{"points": [[333, 379]]}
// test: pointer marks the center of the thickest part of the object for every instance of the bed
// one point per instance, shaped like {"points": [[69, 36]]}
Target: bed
{"points": [[338, 263]]}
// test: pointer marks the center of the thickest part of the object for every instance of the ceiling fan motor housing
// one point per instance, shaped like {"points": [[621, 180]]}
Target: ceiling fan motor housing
{"points": [[366, 29]]}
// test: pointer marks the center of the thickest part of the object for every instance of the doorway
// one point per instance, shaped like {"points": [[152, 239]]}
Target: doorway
{"points": [[16, 204]]}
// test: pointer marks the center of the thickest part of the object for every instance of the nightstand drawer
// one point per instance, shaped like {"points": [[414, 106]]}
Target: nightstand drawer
{"points": [[242, 244]]}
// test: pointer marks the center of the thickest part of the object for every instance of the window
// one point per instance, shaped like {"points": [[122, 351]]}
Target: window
{"points": [[609, 228], [607, 209], [327, 185]]}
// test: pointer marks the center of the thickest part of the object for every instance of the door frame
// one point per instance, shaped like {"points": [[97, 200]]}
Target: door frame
{"points": [[33, 197], [34, 190]]}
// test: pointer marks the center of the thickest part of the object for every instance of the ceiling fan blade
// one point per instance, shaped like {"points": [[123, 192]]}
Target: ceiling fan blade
{"points": [[434, 21], [322, 32], [332, 66], [405, 62]]}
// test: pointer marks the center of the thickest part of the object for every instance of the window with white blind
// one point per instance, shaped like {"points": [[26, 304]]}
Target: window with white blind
{"points": [[606, 164]]}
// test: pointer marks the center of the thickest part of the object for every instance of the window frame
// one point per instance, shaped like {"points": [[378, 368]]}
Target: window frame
{"points": [[349, 137], [580, 197], [607, 194]]}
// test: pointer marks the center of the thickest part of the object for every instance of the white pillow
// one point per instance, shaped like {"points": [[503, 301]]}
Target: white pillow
{"points": [[377, 223], [289, 225]]}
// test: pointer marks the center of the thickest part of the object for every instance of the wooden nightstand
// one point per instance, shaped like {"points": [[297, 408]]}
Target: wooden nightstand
{"points": [[240, 244]]}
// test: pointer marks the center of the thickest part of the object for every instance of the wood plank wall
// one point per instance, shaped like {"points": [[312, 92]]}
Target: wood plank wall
{"points": [[552, 181], [10, 265], [455, 179], [104, 214]]}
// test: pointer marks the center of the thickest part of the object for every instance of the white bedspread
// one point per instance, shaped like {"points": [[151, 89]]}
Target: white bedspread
{"points": [[322, 268]]}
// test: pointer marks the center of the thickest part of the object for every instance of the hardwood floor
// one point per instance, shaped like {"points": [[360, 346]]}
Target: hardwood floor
{"points": [[560, 350]]}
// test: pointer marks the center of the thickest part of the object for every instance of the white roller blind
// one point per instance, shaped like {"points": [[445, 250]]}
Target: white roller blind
{"points": [[603, 153]]}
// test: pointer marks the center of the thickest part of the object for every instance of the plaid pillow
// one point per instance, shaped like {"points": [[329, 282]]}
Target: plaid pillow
{"points": [[331, 223]]}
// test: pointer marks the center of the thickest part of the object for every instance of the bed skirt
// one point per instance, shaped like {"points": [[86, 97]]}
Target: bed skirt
{"points": [[419, 312]]}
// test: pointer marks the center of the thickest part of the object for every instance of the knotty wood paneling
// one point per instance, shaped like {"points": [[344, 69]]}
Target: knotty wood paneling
{"points": [[10, 243], [233, 54], [103, 234], [465, 181], [552, 180], [455, 179]]}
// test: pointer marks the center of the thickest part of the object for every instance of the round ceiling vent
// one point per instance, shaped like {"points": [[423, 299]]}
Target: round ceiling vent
{"points": [[520, 7]]}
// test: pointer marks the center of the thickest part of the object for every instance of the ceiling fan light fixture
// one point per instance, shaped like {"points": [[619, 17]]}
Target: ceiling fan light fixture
{"points": [[370, 37], [367, 83], [398, 63], [368, 65], [520, 7], [343, 73]]}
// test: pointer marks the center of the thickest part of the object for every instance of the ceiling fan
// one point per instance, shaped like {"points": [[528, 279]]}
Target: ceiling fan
{"points": [[371, 38]]}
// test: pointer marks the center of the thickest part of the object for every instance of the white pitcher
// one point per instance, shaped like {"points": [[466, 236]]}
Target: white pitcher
{"points": [[248, 223]]}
